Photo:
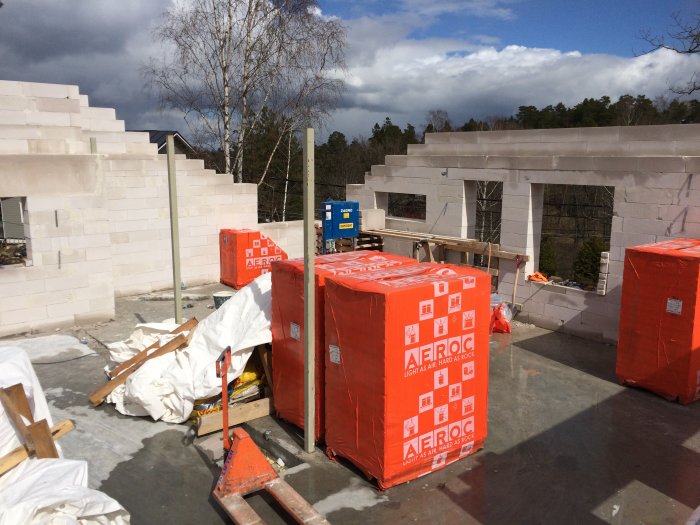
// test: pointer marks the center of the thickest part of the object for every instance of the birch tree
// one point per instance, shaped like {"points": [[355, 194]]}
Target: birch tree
{"points": [[225, 60]]}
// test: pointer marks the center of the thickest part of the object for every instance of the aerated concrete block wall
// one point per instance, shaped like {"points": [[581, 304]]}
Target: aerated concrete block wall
{"points": [[657, 197], [97, 222]]}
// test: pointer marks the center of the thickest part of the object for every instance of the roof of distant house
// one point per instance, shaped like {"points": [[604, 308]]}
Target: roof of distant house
{"points": [[157, 136]]}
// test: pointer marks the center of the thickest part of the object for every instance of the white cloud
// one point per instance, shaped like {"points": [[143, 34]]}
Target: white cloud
{"points": [[483, 8], [99, 45], [400, 77]]}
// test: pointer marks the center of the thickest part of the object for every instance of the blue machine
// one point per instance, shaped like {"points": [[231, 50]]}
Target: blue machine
{"points": [[341, 219]]}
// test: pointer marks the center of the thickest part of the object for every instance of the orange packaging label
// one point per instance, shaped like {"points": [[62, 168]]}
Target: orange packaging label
{"points": [[407, 368]]}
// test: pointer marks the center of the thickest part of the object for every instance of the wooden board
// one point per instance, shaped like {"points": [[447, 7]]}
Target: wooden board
{"points": [[186, 326], [451, 243], [14, 458], [266, 360], [42, 440], [16, 406], [99, 395], [237, 414]]}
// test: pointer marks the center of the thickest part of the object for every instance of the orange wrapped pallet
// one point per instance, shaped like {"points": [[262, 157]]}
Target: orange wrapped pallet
{"points": [[407, 368], [659, 343], [245, 255], [288, 325]]}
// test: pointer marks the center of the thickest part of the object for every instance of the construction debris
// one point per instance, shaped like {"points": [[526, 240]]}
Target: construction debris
{"points": [[166, 383]]}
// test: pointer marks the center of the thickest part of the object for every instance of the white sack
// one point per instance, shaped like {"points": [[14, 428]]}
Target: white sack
{"points": [[166, 387], [55, 491]]}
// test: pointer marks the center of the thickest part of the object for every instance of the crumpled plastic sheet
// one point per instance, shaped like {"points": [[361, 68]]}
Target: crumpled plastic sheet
{"points": [[55, 491], [144, 336], [165, 387], [45, 491]]}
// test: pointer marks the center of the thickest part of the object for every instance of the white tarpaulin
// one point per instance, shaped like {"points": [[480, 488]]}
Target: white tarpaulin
{"points": [[45, 491], [166, 387], [55, 491], [144, 336], [15, 368]]}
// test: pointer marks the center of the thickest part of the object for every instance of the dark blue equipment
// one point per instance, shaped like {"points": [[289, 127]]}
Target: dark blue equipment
{"points": [[341, 219]]}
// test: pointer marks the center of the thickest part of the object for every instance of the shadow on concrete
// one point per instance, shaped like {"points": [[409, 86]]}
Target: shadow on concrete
{"points": [[165, 482], [594, 359], [572, 449]]}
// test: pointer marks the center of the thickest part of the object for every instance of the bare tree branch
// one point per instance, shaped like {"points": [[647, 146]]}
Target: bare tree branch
{"points": [[226, 60]]}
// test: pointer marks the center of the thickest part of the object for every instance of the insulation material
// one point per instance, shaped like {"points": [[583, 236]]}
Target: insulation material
{"points": [[407, 368], [45, 491], [288, 325], [166, 387], [659, 343], [245, 255]]}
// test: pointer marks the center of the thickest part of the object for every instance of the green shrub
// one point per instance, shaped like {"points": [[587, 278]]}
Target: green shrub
{"points": [[587, 263], [548, 257]]}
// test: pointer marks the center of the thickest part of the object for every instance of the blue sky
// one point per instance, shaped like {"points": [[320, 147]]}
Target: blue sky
{"points": [[589, 26], [471, 58]]}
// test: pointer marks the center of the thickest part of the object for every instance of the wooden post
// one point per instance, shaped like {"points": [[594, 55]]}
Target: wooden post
{"points": [[309, 295], [174, 228]]}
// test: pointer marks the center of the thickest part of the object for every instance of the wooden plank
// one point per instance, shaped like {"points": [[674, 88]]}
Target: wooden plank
{"points": [[238, 509], [428, 252], [99, 395], [14, 458], [237, 414], [186, 326], [294, 504], [266, 360], [18, 396], [14, 414], [44, 447], [452, 243]]}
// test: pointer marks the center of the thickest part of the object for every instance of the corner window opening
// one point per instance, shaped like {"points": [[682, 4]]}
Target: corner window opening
{"points": [[406, 206], [13, 243]]}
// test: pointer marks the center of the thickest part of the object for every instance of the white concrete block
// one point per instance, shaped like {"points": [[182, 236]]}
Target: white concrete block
{"points": [[648, 196], [25, 315]]}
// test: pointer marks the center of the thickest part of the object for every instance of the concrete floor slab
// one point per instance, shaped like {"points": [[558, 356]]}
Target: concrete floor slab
{"points": [[566, 444]]}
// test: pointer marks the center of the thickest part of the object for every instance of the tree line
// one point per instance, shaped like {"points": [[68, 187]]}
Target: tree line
{"points": [[341, 160]]}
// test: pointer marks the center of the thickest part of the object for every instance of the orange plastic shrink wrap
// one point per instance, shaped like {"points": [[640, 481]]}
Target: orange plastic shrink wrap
{"points": [[288, 326], [407, 368], [659, 343], [245, 255]]}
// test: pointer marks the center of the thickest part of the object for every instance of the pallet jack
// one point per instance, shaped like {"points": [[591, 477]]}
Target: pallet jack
{"points": [[247, 470]]}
